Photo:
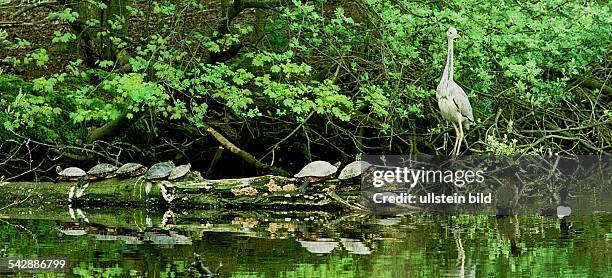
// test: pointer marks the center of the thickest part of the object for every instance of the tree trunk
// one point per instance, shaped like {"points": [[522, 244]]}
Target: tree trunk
{"points": [[96, 40], [113, 128], [263, 192]]}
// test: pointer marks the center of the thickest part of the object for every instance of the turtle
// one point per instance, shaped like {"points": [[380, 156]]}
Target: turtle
{"points": [[179, 172], [102, 171], [354, 170], [132, 170], [70, 173], [159, 171], [314, 172], [317, 171]]}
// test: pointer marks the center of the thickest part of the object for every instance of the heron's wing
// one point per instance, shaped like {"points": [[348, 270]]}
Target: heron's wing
{"points": [[461, 101]]}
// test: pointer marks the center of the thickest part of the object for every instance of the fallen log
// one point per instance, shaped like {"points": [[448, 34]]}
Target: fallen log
{"points": [[262, 192]]}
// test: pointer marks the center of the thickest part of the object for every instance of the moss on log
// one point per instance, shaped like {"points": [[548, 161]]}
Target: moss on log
{"points": [[263, 192], [109, 193]]}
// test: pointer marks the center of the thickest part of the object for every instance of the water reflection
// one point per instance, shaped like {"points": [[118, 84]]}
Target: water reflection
{"points": [[144, 244], [172, 238], [354, 246], [320, 245]]}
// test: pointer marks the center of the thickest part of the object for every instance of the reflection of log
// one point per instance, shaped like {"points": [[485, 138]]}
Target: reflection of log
{"points": [[269, 192], [255, 223]]}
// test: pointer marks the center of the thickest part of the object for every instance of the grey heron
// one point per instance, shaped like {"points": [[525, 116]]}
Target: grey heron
{"points": [[452, 100]]}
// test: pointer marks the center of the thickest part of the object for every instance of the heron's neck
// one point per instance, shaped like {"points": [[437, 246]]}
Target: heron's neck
{"points": [[448, 69]]}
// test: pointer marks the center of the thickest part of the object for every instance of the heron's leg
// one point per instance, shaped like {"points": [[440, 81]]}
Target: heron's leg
{"points": [[460, 138], [467, 147], [456, 139]]}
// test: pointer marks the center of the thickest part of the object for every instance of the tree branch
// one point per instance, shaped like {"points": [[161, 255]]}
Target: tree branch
{"points": [[113, 128], [262, 4], [48, 4], [593, 84], [249, 158]]}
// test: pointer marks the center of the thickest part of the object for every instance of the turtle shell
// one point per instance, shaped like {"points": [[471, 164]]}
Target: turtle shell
{"points": [[353, 170], [102, 170], [132, 169], [317, 169], [72, 173], [159, 170], [179, 171]]}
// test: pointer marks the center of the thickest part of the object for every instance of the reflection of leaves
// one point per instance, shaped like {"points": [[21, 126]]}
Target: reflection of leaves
{"points": [[88, 270], [335, 267]]}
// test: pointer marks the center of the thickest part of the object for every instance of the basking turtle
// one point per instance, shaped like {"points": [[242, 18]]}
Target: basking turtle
{"points": [[317, 171], [354, 170], [314, 172], [179, 172], [132, 170], [70, 173], [102, 171], [159, 171]]}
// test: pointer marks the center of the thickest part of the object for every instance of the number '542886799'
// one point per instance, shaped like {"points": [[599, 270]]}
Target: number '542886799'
{"points": [[32, 265]]}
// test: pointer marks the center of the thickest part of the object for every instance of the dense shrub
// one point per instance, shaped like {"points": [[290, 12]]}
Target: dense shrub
{"points": [[368, 67]]}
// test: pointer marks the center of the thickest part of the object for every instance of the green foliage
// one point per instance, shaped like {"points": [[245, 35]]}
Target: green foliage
{"points": [[333, 59], [28, 110], [65, 15], [63, 38], [35, 110], [39, 57], [4, 41], [504, 146]]}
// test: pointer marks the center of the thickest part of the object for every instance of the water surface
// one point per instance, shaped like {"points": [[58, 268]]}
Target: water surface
{"points": [[137, 243]]}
